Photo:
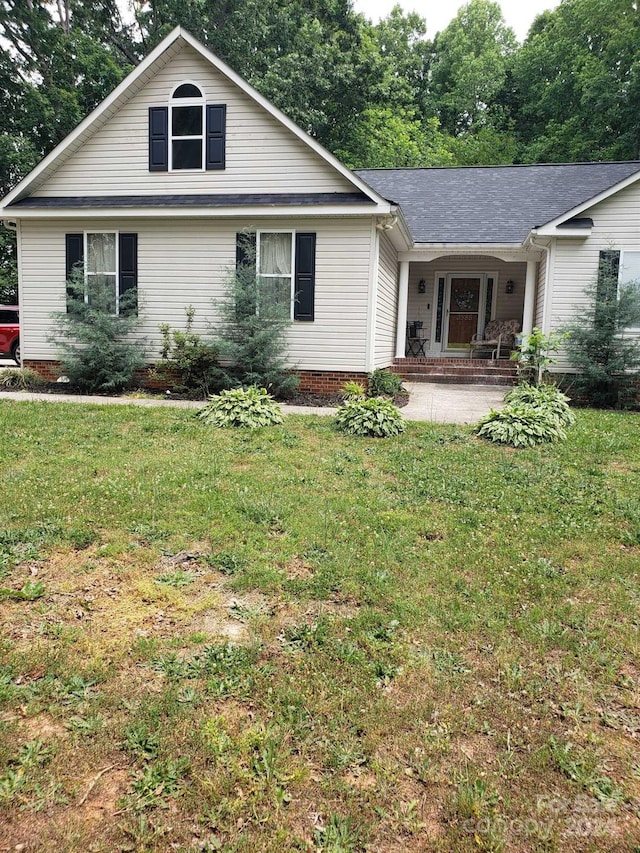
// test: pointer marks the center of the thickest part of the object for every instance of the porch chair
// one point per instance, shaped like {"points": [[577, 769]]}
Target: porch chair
{"points": [[498, 337]]}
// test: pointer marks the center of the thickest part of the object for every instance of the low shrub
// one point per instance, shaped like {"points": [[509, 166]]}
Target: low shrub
{"points": [[97, 348], [250, 407], [521, 425], [22, 378], [377, 417], [353, 390], [193, 361], [384, 383], [548, 397]]}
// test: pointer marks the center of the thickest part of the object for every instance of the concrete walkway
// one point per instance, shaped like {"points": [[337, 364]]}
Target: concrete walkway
{"points": [[445, 404]]}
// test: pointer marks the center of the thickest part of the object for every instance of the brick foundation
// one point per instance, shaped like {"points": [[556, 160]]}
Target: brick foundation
{"points": [[311, 381], [49, 370], [327, 382]]}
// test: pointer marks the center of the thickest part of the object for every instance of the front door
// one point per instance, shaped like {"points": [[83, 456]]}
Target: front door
{"points": [[464, 310]]}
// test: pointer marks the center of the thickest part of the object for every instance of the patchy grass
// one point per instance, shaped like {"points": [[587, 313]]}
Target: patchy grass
{"points": [[295, 640]]}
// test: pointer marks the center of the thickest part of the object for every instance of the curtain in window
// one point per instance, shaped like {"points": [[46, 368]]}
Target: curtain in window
{"points": [[101, 271], [275, 254]]}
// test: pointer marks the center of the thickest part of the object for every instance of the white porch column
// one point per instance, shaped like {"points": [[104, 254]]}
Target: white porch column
{"points": [[403, 298], [529, 298]]}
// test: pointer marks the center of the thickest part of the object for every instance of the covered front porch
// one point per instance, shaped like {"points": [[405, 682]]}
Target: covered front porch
{"points": [[446, 298]]}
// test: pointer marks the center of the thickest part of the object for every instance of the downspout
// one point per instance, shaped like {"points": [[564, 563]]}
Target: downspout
{"points": [[547, 278]]}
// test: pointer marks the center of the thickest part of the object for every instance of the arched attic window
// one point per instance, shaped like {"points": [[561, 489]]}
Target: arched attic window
{"points": [[188, 134], [186, 121]]}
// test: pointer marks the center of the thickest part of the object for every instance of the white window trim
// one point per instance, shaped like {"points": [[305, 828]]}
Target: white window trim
{"points": [[85, 250], [279, 275], [634, 330], [187, 102]]}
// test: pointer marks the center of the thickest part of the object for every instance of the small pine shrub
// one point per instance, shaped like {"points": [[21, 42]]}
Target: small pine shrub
{"points": [[353, 391], [384, 383], [242, 407], [97, 350], [21, 378], [252, 341], [377, 417]]}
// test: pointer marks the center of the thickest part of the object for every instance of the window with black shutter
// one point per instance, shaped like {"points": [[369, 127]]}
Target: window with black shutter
{"points": [[284, 266], [102, 269], [188, 134]]}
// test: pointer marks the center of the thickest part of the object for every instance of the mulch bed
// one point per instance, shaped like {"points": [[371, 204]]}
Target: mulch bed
{"points": [[301, 399]]}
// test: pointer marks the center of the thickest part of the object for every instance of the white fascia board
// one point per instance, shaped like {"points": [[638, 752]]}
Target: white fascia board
{"points": [[17, 214], [543, 230], [432, 251], [555, 231], [85, 125], [109, 102]]}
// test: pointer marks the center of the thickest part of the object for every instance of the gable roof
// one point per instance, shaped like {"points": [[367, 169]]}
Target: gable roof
{"points": [[495, 204], [135, 81]]}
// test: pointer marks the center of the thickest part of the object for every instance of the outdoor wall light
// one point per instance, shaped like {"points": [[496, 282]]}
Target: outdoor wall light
{"points": [[422, 286], [510, 286]]}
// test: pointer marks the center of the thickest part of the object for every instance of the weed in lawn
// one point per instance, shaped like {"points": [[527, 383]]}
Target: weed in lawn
{"points": [[30, 591], [584, 770], [157, 781], [339, 835], [86, 726], [179, 578], [140, 741], [227, 562]]}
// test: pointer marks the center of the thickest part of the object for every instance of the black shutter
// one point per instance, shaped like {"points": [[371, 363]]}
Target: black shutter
{"points": [[74, 245], [608, 272], [305, 278], [245, 275], [158, 139], [216, 129], [128, 273]]}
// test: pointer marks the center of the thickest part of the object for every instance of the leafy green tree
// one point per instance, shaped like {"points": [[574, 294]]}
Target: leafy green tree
{"points": [[469, 68], [577, 83]]}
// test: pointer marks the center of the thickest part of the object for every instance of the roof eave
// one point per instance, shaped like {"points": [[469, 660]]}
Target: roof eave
{"points": [[544, 229], [17, 213]]}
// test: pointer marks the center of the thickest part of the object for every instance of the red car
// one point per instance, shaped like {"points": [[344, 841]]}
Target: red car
{"points": [[10, 332]]}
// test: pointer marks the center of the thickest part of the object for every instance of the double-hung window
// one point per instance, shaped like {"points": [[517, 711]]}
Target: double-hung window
{"points": [[101, 271], [103, 265], [284, 264], [189, 134], [630, 275], [275, 267], [187, 128]]}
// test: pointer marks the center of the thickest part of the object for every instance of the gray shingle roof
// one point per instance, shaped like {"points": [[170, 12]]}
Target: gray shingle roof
{"points": [[195, 200], [491, 204]]}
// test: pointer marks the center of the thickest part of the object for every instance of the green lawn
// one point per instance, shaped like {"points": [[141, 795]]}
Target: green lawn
{"points": [[291, 640]]}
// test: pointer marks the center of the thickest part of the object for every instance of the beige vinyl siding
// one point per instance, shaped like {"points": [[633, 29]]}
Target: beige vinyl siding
{"points": [[262, 156], [507, 306], [186, 262], [386, 316], [575, 261]]}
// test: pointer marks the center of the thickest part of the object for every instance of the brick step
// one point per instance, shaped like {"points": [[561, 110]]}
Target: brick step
{"points": [[458, 378]]}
